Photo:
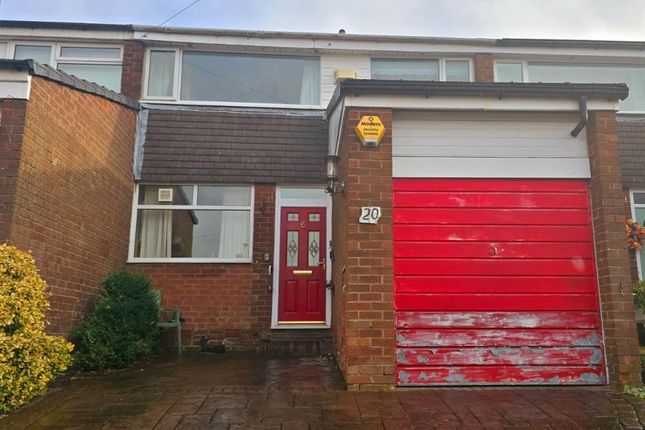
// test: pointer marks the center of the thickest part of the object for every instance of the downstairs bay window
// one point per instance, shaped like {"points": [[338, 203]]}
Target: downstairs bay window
{"points": [[192, 223]]}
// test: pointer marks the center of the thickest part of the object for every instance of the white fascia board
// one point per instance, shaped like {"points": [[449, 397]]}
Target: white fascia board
{"points": [[15, 84], [383, 47], [476, 103], [208, 39], [45, 34]]}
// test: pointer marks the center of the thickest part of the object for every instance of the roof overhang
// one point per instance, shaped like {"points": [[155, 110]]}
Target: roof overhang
{"points": [[467, 96], [475, 95]]}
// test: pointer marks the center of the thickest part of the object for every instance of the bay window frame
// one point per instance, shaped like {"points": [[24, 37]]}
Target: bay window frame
{"points": [[136, 207]]}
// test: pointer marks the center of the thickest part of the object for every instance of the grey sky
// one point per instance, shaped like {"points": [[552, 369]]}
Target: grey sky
{"points": [[576, 19]]}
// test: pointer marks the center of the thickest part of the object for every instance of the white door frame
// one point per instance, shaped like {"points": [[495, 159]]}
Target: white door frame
{"points": [[280, 202]]}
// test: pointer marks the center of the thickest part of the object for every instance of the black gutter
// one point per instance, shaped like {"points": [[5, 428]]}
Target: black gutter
{"points": [[571, 43], [87, 26], [46, 72], [499, 90]]}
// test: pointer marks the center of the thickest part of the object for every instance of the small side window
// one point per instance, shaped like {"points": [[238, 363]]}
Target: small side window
{"points": [[509, 72], [457, 70], [161, 74], [38, 53]]}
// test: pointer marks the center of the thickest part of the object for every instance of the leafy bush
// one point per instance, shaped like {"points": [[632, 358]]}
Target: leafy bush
{"points": [[639, 295], [123, 327], [634, 391], [29, 358]]}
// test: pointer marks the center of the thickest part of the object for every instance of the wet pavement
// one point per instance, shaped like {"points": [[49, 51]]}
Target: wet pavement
{"points": [[242, 391]]}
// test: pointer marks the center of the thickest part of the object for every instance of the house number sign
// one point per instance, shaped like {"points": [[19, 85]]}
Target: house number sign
{"points": [[369, 215]]}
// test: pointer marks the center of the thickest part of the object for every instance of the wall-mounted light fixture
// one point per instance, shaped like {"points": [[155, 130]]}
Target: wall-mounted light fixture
{"points": [[334, 184]]}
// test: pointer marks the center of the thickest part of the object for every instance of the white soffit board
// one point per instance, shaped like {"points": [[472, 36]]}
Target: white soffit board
{"points": [[488, 145], [14, 84]]}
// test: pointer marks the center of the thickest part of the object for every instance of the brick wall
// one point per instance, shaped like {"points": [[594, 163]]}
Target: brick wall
{"points": [[12, 119], [363, 300], [224, 302], [75, 163], [484, 68], [132, 71], [614, 274]]}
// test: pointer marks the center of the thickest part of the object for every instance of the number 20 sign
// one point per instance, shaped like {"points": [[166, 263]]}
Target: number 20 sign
{"points": [[369, 215]]}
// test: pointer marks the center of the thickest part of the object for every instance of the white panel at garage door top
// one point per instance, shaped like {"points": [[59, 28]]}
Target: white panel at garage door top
{"points": [[487, 145]]}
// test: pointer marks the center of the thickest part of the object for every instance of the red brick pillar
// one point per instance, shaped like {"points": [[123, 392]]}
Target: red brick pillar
{"points": [[263, 236], [132, 71], [484, 68], [363, 268], [614, 278]]}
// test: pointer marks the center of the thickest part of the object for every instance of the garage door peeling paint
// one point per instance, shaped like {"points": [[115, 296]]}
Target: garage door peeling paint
{"points": [[495, 283]]}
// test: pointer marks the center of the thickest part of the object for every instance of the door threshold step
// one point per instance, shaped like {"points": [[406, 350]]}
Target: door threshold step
{"points": [[296, 346]]}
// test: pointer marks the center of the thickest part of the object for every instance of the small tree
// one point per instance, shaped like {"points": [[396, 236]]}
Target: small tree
{"points": [[29, 358], [123, 327]]}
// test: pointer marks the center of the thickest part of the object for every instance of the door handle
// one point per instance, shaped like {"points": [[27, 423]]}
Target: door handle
{"points": [[302, 272]]}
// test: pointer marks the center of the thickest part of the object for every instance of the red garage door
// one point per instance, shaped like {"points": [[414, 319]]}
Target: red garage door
{"points": [[495, 283]]}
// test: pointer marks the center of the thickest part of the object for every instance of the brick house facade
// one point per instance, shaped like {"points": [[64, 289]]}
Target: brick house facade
{"points": [[263, 160]]}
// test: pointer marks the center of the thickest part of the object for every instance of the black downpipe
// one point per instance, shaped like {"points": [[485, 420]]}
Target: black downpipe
{"points": [[584, 117]]}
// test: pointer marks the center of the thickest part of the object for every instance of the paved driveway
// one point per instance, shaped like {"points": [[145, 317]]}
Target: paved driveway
{"points": [[234, 391]]}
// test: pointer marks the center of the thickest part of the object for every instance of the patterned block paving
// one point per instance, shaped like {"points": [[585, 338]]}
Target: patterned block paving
{"points": [[255, 392]]}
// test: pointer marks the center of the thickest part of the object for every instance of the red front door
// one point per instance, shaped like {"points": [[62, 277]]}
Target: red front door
{"points": [[301, 299]]}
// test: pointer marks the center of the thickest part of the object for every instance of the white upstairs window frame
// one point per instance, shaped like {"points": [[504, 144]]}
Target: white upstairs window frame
{"points": [[56, 48], [176, 77], [444, 60], [11, 49], [523, 63], [442, 64], [57, 59], [176, 93]]}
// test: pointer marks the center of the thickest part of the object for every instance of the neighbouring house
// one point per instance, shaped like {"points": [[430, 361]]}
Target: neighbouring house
{"points": [[433, 211]]}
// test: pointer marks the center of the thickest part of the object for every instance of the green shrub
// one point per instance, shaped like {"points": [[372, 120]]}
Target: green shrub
{"points": [[639, 295], [123, 327], [634, 391], [29, 358]]}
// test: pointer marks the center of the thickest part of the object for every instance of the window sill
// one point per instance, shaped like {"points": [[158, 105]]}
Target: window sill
{"points": [[134, 260], [230, 104]]}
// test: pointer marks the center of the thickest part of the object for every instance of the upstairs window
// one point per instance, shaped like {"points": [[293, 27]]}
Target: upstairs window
{"points": [[203, 223], [98, 64], [457, 70], [407, 70], [509, 71], [632, 75], [39, 53], [233, 78], [579, 73]]}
